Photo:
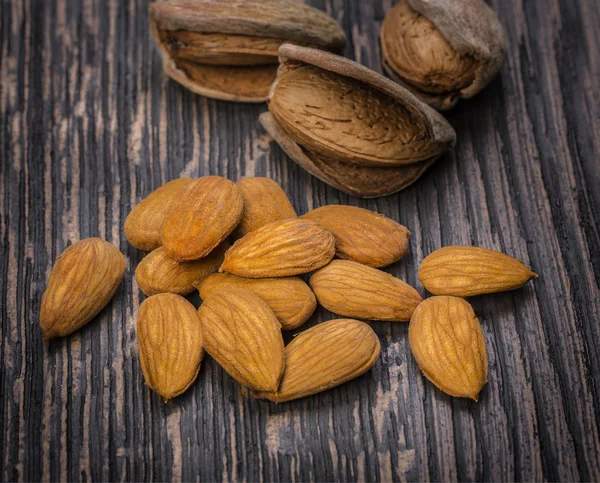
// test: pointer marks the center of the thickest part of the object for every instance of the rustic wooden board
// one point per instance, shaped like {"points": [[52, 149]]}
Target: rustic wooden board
{"points": [[89, 125]]}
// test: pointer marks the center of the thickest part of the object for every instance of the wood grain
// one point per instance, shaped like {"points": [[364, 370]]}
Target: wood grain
{"points": [[89, 125]]}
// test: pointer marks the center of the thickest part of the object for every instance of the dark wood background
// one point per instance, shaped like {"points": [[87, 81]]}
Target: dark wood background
{"points": [[89, 125]]}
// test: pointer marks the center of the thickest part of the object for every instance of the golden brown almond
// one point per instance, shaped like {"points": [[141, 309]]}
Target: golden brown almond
{"points": [[447, 342], [264, 202], [159, 273], [170, 340], [355, 290], [144, 223], [362, 235], [204, 215], [465, 271], [292, 301], [83, 280], [243, 335], [326, 356], [280, 249]]}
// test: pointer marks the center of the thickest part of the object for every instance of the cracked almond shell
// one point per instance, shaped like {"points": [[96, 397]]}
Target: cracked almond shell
{"points": [[228, 49], [82, 281], [280, 249], [326, 356], [361, 235], [243, 335], [354, 290], [443, 50], [326, 110], [465, 271], [290, 299], [205, 213], [447, 342], [170, 342]]}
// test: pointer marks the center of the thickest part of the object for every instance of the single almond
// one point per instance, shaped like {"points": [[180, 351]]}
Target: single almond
{"points": [[355, 290], [447, 342], [362, 235], [83, 280], [144, 223], [264, 202], [290, 299], [203, 216], [465, 271], [170, 341], [243, 335], [159, 273], [280, 249], [326, 356]]}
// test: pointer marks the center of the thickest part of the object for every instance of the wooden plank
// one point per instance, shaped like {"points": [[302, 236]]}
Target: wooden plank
{"points": [[90, 125]]}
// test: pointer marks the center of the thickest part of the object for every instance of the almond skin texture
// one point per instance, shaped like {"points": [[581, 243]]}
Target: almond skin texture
{"points": [[170, 341], [465, 271], [243, 335], [447, 342], [362, 235], [292, 301], [158, 273], [355, 290], [326, 356], [83, 280], [204, 215], [264, 202], [144, 223], [280, 249]]}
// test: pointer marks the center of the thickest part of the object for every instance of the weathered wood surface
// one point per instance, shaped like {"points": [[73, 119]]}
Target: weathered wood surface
{"points": [[89, 125]]}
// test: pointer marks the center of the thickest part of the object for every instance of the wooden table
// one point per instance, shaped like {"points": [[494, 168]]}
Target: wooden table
{"points": [[90, 125]]}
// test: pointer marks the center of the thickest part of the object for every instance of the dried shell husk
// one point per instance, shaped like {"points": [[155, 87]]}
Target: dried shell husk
{"points": [[144, 223], [170, 340], [465, 271], [354, 290], [361, 235], [326, 356], [243, 335], [228, 50], [159, 273], [264, 202], [368, 122], [82, 281], [290, 299], [359, 181], [447, 342], [280, 249], [443, 50]]}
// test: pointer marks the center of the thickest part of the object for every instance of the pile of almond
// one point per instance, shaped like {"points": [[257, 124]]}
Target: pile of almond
{"points": [[242, 246]]}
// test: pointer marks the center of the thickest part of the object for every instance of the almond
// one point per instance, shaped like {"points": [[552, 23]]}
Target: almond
{"points": [[144, 223], [355, 290], [290, 299], [243, 335], [326, 356], [264, 202], [465, 271], [158, 273], [203, 216], [170, 341], [280, 249], [362, 235], [447, 342], [83, 280]]}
